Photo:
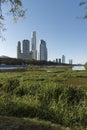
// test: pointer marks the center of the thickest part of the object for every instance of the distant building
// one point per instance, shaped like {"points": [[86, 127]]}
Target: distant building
{"points": [[63, 59], [56, 60], [19, 50], [26, 46], [70, 61], [25, 52], [59, 60], [42, 50], [33, 46]]}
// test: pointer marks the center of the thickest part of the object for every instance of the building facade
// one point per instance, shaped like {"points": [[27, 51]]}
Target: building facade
{"points": [[70, 61], [25, 52], [27, 49], [19, 50], [63, 59], [42, 51], [33, 46]]}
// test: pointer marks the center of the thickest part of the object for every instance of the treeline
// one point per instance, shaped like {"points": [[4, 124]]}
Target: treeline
{"points": [[15, 61], [85, 65]]}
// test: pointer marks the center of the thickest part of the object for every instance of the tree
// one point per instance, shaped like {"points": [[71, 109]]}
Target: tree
{"points": [[84, 3], [15, 9]]}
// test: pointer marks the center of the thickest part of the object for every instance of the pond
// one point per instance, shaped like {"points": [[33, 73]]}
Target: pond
{"points": [[11, 67], [78, 68]]}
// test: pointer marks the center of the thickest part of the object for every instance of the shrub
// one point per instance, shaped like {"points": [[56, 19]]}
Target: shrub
{"points": [[21, 91], [10, 84], [73, 94]]}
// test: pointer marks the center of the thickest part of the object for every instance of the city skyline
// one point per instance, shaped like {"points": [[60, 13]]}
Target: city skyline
{"points": [[43, 55], [56, 22], [27, 49]]}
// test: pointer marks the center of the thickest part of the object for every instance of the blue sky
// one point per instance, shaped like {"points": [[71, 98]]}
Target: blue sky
{"points": [[55, 21]]}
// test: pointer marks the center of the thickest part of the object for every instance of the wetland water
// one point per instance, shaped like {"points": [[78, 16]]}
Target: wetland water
{"points": [[10, 67], [22, 67], [78, 68]]}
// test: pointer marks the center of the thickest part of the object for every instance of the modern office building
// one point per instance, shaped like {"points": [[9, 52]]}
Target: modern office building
{"points": [[33, 41], [59, 60], [19, 50], [56, 60], [25, 52], [63, 59], [26, 46], [33, 46], [70, 61], [42, 51]]}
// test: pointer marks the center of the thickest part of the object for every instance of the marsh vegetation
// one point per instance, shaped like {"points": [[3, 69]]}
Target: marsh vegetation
{"points": [[58, 95]]}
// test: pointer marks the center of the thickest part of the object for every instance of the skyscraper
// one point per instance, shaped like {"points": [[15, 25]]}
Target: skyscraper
{"points": [[25, 53], [63, 59], [18, 49], [33, 46], [26, 46], [33, 41], [70, 61], [42, 50]]}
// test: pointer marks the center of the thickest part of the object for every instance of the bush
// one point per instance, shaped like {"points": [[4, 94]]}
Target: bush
{"points": [[21, 91], [74, 95], [10, 84]]}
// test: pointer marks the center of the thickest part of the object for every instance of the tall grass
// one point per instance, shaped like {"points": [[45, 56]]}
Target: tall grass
{"points": [[45, 96]]}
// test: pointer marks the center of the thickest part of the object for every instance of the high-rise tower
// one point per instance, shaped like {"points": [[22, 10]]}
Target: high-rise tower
{"points": [[25, 53], [43, 50], [33, 46], [33, 41], [26, 46], [26, 49], [18, 49], [63, 59]]}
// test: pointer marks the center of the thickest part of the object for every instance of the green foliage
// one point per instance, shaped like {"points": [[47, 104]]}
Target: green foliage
{"points": [[45, 95], [15, 8], [10, 85], [73, 95], [85, 4], [21, 91], [13, 123]]}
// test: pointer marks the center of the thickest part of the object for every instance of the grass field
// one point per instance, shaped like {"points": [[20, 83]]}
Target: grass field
{"points": [[52, 94]]}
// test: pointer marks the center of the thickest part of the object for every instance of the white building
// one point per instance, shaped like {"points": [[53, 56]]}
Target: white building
{"points": [[43, 51], [63, 59], [33, 46]]}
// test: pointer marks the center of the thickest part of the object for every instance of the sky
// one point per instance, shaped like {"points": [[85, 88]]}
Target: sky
{"points": [[57, 22]]}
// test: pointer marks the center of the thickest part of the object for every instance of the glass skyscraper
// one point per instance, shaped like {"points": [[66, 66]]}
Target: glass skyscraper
{"points": [[43, 51]]}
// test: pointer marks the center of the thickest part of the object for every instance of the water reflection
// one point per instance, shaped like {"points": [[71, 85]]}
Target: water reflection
{"points": [[11, 67], [78, 68]]}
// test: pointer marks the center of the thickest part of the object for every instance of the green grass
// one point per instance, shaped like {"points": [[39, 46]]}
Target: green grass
{"points": [[13, 123], [58, 95]]}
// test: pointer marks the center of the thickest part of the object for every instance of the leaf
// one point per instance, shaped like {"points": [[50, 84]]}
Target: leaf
{"points": [[82, 3], [18, 2], [85, 17], [1, 17]]}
